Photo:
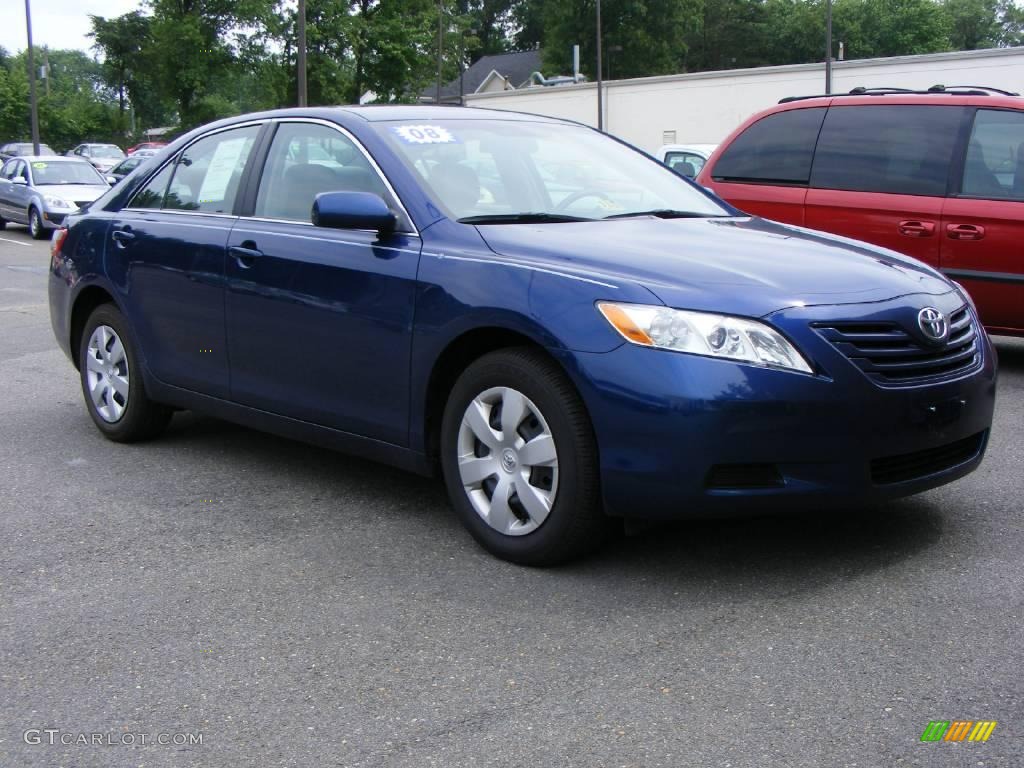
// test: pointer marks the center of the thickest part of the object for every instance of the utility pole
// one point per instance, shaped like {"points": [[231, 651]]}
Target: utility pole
{"points": [[32, 81], [828, 46], [440, 42], [302, 53], [600, 81]]}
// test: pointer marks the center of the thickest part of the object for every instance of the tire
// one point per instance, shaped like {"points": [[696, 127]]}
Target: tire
{"points": [[562, 517], [3, 224], [35, 225], [108, 356]]}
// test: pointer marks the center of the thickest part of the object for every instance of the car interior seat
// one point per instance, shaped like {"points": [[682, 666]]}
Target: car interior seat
{"points": [[978, 177], [457, 185], [1018, 175]]}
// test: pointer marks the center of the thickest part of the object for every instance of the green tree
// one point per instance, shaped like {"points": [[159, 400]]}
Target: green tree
{"points": [[650, 33]]}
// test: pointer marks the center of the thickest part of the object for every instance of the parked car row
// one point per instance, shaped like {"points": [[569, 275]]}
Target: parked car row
{"points": [[20, 149]]}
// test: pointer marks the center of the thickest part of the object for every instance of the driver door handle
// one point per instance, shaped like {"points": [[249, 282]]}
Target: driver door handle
{"points": [[917, 228], [245, 254]]}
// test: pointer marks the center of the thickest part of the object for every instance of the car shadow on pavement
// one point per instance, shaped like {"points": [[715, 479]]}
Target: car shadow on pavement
{"points": [[763, 555]]}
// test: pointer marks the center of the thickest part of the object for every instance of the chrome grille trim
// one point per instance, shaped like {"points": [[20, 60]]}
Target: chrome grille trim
{"points": [[891, 356]]}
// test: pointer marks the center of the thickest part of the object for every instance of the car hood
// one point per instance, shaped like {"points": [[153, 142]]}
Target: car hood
{"points": [[78, 193], [743, 265]]}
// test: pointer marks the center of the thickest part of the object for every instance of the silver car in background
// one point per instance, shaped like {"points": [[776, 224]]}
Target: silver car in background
{"points": [[102, 156], [41, 191]]}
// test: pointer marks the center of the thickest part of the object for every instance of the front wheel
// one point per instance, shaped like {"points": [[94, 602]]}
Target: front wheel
{"points": [[115, 394], [35, 225], [520, 459]]}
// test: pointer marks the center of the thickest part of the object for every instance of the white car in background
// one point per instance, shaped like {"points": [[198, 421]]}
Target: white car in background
{"points": [[685, 159]]}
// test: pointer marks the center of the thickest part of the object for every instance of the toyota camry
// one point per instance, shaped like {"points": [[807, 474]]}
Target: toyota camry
{"points": [[563, 328]]}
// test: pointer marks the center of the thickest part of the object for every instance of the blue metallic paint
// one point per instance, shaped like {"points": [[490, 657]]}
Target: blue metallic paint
{"points": [[332, 336]]}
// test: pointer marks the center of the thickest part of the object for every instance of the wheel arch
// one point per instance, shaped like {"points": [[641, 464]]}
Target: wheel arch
{"points": [[87, 300], [459, 353]]}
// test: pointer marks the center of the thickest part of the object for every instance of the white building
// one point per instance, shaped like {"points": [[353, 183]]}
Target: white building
{"points": [[705, 107]]}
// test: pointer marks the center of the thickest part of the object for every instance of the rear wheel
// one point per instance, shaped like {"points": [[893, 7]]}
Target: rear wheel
{"points": [[520, 459], [115, 394], [35, 225]]}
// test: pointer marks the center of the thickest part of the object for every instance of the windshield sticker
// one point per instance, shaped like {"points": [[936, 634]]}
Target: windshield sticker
{"points": [[424, 134], [40, 166]]}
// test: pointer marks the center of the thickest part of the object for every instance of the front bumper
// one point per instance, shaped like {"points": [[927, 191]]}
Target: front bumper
{"points": [[687, 436], [53, 220]]}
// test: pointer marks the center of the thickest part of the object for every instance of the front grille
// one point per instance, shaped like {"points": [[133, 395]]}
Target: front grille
{"points": [[725, 476], [891, 356], [911, 466]]}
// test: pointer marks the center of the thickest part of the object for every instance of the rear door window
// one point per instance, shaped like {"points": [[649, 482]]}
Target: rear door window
{"points": [[208, 173], [906, 150], [777, 149], [994, 163]]}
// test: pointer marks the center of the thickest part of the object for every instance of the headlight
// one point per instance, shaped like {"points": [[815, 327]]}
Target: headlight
{"points": [[703, 333], [57, 202]]}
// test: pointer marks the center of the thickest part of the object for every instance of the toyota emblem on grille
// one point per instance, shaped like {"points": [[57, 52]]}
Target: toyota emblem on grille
{"points": [[933, 324]]}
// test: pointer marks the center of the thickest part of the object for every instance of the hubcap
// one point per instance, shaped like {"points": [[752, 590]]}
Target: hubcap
{"points": [[508, 462], [106, 373]]}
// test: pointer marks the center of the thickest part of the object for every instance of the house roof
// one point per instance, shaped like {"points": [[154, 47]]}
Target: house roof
{"points": [[516, 67]]}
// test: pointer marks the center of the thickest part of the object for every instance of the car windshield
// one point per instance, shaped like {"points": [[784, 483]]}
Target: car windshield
{"points": [[510, 171], [107, 150], [65, 173]]}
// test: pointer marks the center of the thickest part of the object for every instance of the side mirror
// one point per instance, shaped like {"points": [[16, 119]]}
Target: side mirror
{"points": [[353, 210], [111, 180], [19, 180]]}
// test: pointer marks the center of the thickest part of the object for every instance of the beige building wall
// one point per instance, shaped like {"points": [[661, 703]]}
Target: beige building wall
{"points": [[706, 106]]}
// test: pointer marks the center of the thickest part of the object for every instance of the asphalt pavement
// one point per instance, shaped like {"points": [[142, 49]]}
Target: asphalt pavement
{"points": [[252, 601]]}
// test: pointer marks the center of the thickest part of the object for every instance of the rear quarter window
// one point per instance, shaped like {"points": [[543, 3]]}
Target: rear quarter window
{"points": [[905, 150], [777, 149]]}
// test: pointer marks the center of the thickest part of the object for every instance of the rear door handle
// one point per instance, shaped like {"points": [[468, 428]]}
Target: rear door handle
{"points": [[914, 228], [964, 231], [245, 254], [122, 236]]}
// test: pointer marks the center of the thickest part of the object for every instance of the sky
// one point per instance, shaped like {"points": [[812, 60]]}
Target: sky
{"points": [[56, 23]]}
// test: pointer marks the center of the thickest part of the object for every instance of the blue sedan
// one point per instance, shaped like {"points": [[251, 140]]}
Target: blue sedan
{"points": [[565, 329]]}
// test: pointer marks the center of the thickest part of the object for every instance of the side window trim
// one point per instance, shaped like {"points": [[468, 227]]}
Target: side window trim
{"points": [[177, 155], [406, 224]]}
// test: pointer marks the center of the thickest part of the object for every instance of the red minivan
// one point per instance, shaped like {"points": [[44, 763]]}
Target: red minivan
{"points": [[937, 175]]}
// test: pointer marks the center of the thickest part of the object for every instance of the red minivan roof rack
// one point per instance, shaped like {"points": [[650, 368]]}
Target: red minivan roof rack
{"points": [[949, 90]]}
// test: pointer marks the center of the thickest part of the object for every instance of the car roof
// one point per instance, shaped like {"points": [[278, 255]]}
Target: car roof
{"points": [[868, 99], [709, 148], [52, 159]]}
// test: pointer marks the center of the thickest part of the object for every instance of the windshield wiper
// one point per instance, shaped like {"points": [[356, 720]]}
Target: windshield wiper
{"points": [[665, 213], [521, 218]]}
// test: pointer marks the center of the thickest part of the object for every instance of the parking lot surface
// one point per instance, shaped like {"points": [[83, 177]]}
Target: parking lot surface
{"points": [[289, 606]]}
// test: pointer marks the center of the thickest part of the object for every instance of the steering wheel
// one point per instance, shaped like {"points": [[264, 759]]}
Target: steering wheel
{"points": [[583, 193]]}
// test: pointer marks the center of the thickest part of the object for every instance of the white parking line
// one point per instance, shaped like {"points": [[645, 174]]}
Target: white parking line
{"points": [[16, 242]]}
